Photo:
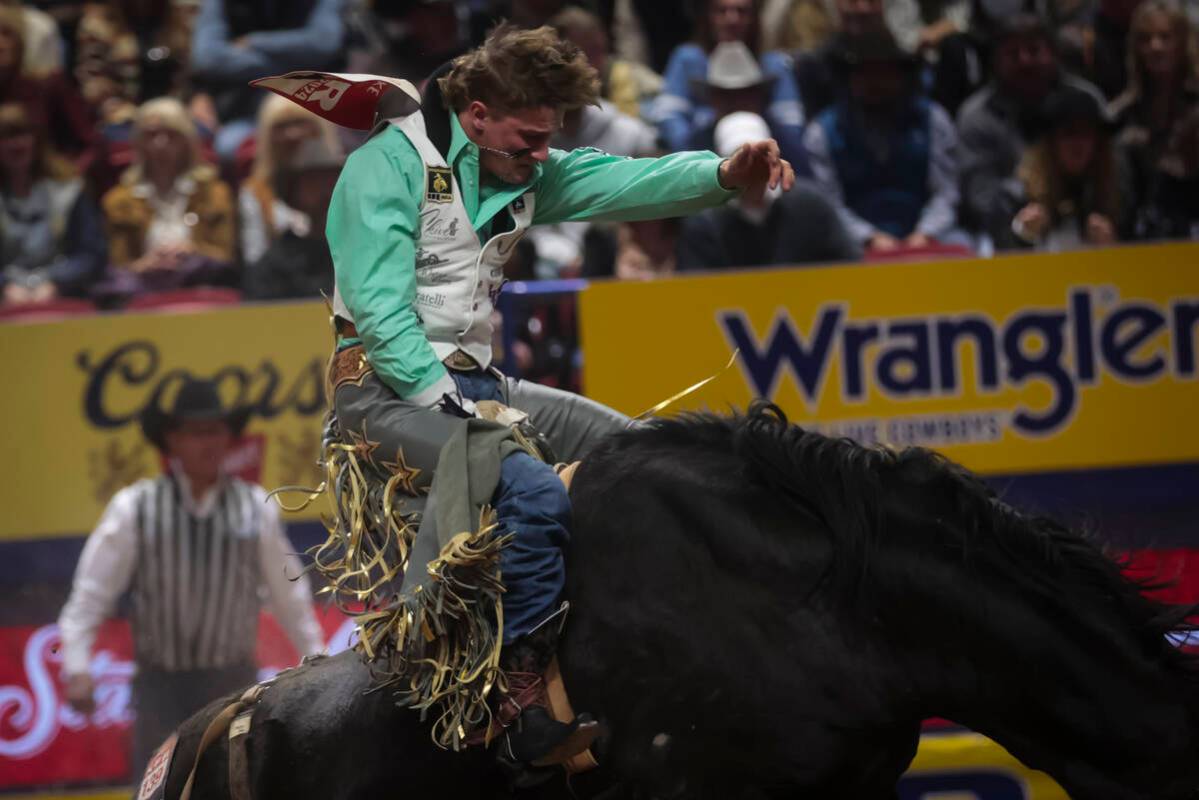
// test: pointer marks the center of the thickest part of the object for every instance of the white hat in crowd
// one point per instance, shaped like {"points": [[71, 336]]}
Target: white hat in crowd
{"points": [[736, 129], [731, 65]]}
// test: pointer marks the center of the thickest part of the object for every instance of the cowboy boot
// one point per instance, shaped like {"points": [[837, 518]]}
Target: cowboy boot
{"points": [[533, 737]]}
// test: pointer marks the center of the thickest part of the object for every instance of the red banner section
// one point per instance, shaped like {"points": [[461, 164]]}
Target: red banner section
{"points": [[43, 741]]}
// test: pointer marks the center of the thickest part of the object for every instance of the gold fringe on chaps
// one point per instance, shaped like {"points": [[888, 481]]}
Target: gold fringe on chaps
{"points": [[439, 649]]}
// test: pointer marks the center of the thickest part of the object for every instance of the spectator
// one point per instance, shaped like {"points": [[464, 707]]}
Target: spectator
{"points": [[816, 71], [486, 14], [196, 546], [632, 251], [938, 32], [53, 237], [141, 45], [297, 263], [1170, 209], [43, 45], [924, 26], [679, 111], [648, 31], [404, 38], [1161, 87], [1060, 14], [796, 227], [791, 25], [886, 156], [1097, 50], [283, 127], [999, 121], [1071, 184], [735, 83], [625, 84], [558, 248], [55, 110], [169, 219], [237, 41]]}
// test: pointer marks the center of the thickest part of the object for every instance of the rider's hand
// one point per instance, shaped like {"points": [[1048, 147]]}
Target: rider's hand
{"points": [[81, 692], [755, 166]]}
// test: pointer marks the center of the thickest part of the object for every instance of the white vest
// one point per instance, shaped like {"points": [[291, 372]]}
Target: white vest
{"points": [[457, 279]]}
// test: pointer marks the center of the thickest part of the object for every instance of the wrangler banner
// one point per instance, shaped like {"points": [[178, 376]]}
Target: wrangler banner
{"points": [[76, 389], [1013, 364]]}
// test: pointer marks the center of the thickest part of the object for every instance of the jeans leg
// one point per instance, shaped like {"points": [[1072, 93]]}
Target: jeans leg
{"points": [[531, 503], [478, 385]]}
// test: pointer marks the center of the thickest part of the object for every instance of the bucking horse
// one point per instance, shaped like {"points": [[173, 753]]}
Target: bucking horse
{"points": [[759, 611]]}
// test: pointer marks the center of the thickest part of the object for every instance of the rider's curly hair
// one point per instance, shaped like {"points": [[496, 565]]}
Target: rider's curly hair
{"points": [[517, 68]]}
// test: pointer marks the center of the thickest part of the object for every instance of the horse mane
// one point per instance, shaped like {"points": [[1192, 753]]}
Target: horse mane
{"points": [[863, 494]]}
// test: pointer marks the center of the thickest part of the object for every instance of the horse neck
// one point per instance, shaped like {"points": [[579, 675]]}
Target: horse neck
{"points": [[1065, 693]]}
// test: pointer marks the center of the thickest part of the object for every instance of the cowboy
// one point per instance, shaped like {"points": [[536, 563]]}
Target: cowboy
{"points": [[195, 546], [735, 83], [422, 221], [885, 154]]}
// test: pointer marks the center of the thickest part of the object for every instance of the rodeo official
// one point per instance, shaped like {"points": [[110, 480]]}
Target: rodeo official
{"points": [[197, 549], [422, 221]]}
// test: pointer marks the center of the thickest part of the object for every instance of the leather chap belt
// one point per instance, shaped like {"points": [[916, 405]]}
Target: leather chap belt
{"points": [[348, 365], [456, 360]]}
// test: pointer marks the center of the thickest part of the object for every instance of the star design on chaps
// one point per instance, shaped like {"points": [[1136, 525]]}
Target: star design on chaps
{"points": [[408, 475], [363, 446]]}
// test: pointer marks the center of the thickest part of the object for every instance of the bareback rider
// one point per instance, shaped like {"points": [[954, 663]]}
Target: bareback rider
{"points": [[423, 218]]}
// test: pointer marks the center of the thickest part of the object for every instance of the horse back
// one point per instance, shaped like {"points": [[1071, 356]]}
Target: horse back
{"points": [[318, 731]]}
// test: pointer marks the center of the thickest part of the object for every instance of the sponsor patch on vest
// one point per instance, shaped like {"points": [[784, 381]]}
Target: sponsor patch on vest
{"points": [[439, 184]]}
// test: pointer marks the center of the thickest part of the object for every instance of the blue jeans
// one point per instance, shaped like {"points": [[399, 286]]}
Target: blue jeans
{"points": [[531, 502]]}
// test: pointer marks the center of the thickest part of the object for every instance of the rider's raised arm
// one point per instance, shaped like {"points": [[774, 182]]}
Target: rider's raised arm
{"points": [[373, 222], [588, 184]]}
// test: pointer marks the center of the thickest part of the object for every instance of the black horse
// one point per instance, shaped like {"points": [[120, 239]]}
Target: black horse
{"points": [[761, 611]]}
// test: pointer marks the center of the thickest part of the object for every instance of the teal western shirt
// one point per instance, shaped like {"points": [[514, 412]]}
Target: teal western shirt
{"points": [[374, 225]]}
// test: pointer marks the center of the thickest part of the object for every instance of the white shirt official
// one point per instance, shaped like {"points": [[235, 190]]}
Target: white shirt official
{"points": [[109, 560]]}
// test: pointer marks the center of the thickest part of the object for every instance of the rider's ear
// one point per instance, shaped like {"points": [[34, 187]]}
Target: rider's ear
{"points": [[476, 115]]}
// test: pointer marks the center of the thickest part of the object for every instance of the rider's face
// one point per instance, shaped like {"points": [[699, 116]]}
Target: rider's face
{"points": [[526, 133]]}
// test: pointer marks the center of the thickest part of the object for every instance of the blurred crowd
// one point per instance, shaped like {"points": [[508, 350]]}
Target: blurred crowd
{"points": [[136, 158]]}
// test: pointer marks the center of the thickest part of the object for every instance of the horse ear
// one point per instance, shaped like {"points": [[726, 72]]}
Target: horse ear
{"points": [[345, 99]]}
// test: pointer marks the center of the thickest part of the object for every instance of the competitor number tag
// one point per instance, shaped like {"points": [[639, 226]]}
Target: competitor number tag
{"points": [[154, 781], [439, 185]]}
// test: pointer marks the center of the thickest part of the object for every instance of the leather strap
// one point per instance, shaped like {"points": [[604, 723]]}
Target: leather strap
{"points": [[239, 762], [560, 707], [566, 474], [216, 728]]}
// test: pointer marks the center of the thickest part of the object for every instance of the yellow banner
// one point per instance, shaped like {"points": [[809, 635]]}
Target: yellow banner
{"points": [[1020, 363], [76, 388]]}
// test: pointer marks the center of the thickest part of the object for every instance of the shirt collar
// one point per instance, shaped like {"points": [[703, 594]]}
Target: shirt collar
{"points": [[459, 141], [200, 506]]}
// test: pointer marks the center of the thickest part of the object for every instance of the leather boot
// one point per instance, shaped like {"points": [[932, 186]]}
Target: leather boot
{"points": [[532, 736]]}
